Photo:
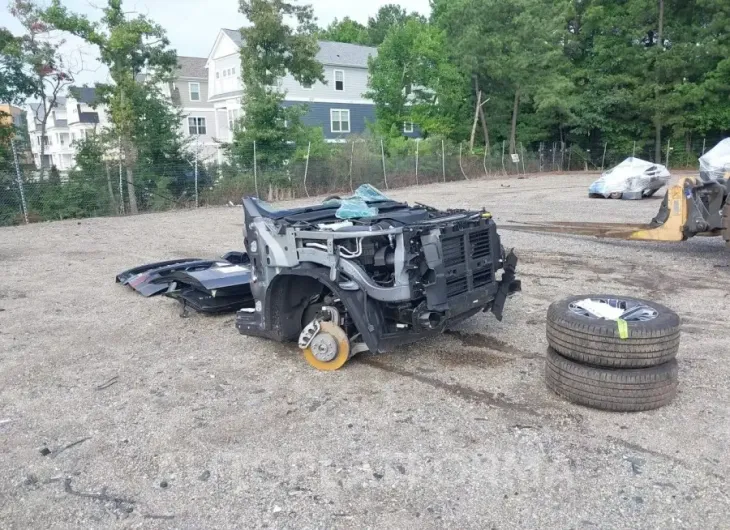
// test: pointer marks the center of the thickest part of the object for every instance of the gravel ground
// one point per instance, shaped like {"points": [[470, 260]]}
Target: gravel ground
{"points": [[157, 421]]}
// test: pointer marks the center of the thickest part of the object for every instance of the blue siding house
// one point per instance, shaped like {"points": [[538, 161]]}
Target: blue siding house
{"points": [[338, 105]]}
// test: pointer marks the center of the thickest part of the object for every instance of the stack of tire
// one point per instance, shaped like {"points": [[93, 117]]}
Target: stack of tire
{"points": [[592, 362]]}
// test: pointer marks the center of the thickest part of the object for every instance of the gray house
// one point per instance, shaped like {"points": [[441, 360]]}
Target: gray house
{"points": [[339, 106]]}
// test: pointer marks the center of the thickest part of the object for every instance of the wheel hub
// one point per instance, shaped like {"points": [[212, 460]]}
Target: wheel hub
{"points": [[324, 347]]}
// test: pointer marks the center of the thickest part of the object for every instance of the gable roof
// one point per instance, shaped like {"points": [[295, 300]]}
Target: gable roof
{"points": [[191, 67], [330, 53], [234, 34], [84, 94], [345, 54]]}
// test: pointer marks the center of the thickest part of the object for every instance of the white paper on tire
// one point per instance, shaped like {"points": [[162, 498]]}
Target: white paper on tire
{"points": [[600, 309]]}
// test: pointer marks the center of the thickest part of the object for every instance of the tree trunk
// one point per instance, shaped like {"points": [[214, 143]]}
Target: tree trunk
{"points": [[485, 130], [657, 115], [42, 152], [476, 118], [513, 130], [482, 116], [130, 188]]}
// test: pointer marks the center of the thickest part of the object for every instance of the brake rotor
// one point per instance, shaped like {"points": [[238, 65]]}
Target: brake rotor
{"points": [[329, 349]]}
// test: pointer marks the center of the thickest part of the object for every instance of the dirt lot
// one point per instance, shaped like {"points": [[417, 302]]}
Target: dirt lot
{"points": [[184, 423]]}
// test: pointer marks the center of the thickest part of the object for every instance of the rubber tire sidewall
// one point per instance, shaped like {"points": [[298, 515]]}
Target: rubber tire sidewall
{"points": [[629, 390], [597, 342]]}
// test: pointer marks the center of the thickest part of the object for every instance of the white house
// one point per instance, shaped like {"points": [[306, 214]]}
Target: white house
{"points": [[71, 118]]}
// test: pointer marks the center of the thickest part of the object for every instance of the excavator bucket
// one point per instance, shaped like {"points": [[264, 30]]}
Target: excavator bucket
{"points": [[670, 224]]}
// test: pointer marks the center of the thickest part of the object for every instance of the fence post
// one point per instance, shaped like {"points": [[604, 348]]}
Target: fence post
{"points": [[570, 155], [255, 175], [23, 205], [382, 154], [460, 166], [121, 179], [668, 148], [603, 159], [443, 159], [484, 161], [540, 160], [703, 145], [552, 166], [633, 152], [306, 166], [562, 155], [197, 144], [504, 169], [352, 155], [522, 149], [418, 141]]}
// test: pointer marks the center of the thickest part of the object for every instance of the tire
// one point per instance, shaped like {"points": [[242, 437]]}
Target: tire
{"points": [[726, 221], [597, 342], [616, 195], [623, 390]]}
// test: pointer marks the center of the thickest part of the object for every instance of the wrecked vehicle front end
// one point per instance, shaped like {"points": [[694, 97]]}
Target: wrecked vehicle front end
{"points": [[345, 276], [392, 278]]}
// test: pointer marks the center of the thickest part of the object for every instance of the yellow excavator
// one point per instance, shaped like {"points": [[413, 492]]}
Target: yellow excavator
{"points": [[692, 207], [695, 206]]}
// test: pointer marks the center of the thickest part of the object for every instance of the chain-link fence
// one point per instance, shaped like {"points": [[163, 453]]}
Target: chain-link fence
{"points": [[113, 185]]}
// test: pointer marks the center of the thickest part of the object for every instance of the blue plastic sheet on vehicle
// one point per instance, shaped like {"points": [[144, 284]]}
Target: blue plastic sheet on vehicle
{"points": [[370, 193], [357, 206]]}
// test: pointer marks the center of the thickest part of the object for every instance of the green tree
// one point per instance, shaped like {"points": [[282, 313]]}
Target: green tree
{"points": [[42, 64], [510, 47], [15, 83], [345, 30], [272, 50], [129, 47], [387, 17], [413, 80]]}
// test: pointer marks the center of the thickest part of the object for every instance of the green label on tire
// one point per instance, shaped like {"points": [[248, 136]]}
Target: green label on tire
{"points": [[623, 329]]}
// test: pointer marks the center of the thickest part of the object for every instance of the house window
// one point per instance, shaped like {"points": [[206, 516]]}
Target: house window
{"points": [[194, 91], [340, 120], [217, 75], [233, 71], [408, 127], [196, 125], [339, 80], [232, 118]]}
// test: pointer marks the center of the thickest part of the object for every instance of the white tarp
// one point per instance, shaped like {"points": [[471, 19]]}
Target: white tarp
{"points": [[716, 162], [632, 176]]}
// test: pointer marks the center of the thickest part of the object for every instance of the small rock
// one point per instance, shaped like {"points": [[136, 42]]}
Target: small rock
{"points": [[205, 475], [276, 509], [45, 451], [378, 476], [164, 484]]}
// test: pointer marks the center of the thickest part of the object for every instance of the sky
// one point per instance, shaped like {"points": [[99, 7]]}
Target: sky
{"points": [[192, 25]]}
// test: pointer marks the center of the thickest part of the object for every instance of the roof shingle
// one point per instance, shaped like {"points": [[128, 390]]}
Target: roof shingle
{"points": [[330, 53], [191, 67]]}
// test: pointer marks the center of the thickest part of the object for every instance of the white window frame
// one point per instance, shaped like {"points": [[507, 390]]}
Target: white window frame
{"points": [[197, 125], [334, 76], [407, 126], [191, 92], [340, 121]]}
